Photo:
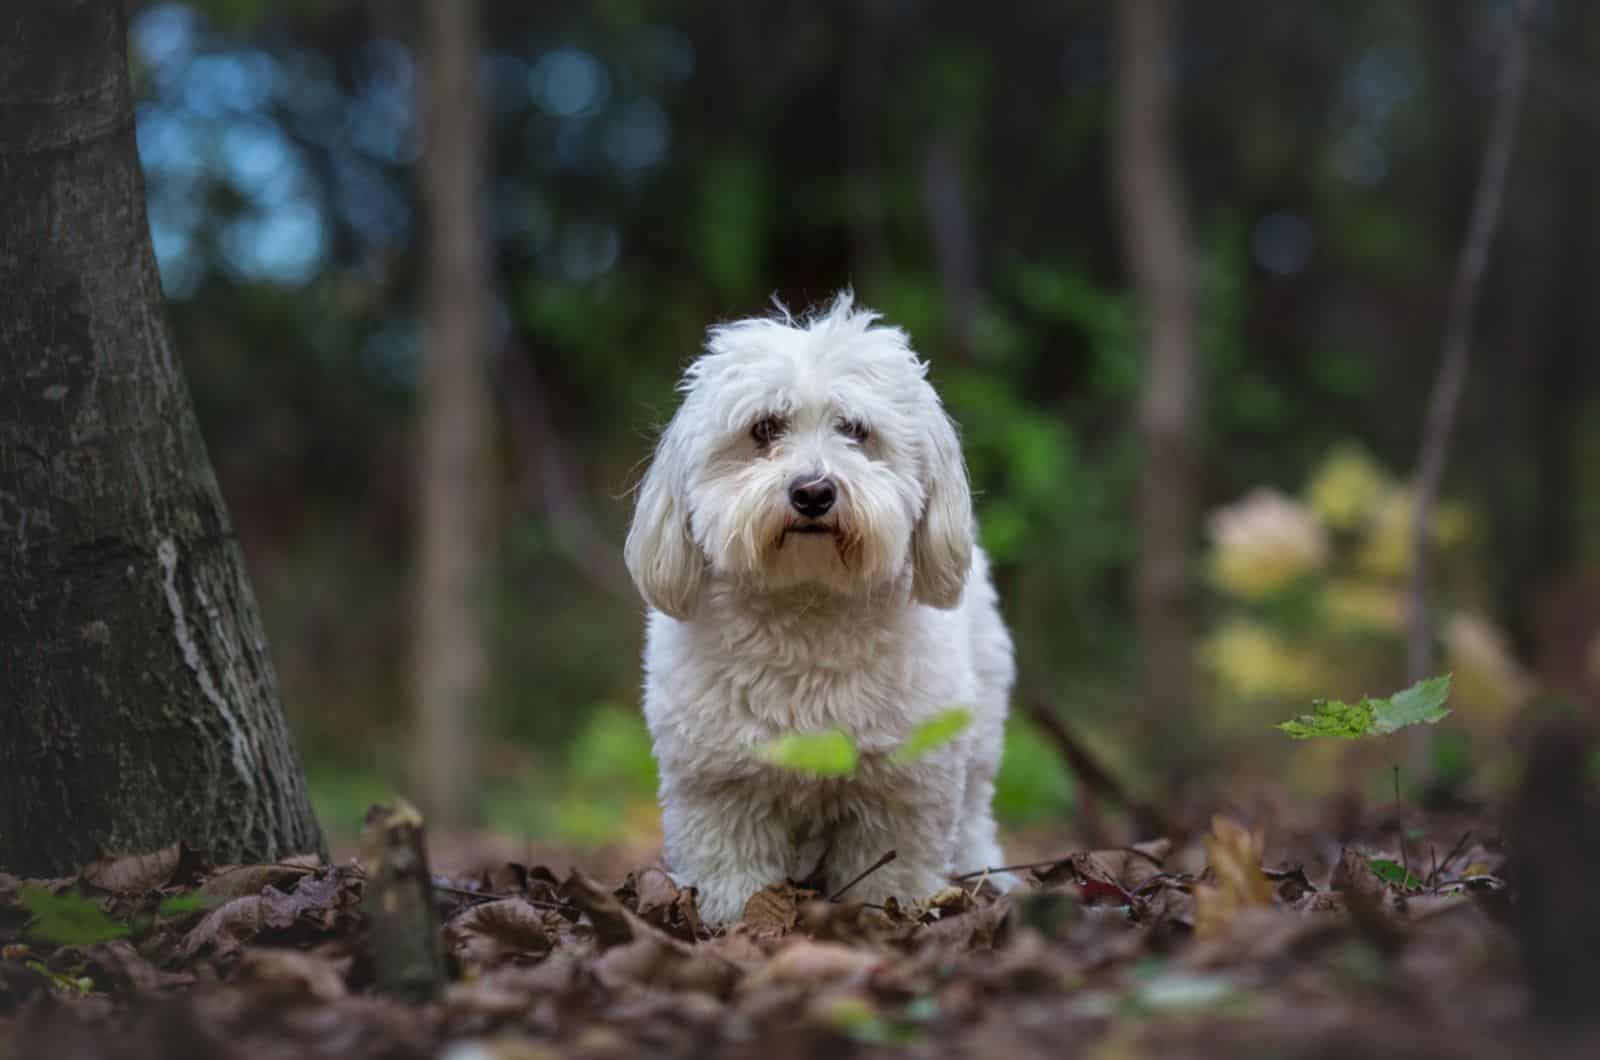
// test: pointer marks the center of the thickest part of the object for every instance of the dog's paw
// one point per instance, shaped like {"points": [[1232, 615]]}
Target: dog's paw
{"points": [[721, 903]]}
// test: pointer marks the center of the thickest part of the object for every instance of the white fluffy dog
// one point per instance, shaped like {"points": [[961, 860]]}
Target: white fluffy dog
{"points": [[804, 537]]}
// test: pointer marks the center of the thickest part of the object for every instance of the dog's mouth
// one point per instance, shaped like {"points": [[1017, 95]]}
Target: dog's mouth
{"points": [[810, 529]]}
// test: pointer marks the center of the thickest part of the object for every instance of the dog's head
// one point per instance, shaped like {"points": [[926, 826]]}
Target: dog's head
{"points": [[805, 453]]}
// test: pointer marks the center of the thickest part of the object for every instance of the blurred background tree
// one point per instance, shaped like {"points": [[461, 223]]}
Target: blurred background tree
{"points": [[654, 166]]}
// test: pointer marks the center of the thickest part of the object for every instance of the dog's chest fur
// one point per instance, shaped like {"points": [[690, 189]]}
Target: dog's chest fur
{"points": [[749, 671]]}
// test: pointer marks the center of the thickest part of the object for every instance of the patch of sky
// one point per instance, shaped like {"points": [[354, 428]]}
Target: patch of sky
{"points": [[380, 120], [569, 82], [220, 83], [370, 202], [281, 244], [165, 38], [171, 145], [261, 163]]}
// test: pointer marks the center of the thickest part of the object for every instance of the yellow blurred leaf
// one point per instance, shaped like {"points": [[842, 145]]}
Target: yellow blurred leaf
{"points": [[1234, 855]]}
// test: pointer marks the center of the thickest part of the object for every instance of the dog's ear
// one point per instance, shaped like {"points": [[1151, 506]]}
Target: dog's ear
{"points": [[666, 564], [941, 544]]}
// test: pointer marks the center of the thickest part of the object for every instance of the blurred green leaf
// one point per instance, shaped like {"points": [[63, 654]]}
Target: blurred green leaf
{"points": [[1422, 703], [69, 919], [733, 223], [935, 732], [1395, 873], [184, 904], [1032, 786], [829, 753], [612, 750]]}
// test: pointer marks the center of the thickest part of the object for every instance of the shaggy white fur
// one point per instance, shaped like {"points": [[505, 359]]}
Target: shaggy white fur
{"points": [[804, 537]]}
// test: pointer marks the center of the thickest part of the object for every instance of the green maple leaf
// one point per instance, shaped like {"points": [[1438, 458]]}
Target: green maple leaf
{"points": [[1421, 704], [935, 732], [828, 753], [1395, 873], [69, 919]]}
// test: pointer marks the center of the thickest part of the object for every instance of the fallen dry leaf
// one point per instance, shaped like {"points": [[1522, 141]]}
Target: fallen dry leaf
{"points": [[805, 962], [488, 934], [774, 909], [1233, 859], [293, 973]]}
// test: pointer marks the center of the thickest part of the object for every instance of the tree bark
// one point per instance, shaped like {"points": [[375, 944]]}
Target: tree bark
{"points": [[1156, 241], [449, 658], [138, 704], [1445, 399]]}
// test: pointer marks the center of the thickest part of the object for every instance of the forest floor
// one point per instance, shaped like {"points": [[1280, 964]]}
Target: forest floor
{"points": [[1310, 933]]}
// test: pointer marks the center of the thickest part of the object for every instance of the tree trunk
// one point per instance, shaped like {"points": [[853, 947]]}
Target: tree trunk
{"points": [[1156, 240], [1455, 349], [449, 656], [138, 705]]}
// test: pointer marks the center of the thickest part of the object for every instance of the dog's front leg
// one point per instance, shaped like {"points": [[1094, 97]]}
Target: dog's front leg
{"points": [[916, 825], [727, 841]]}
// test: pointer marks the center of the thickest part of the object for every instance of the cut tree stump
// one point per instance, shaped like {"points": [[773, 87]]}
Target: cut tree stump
{"points": [[402, 925]]}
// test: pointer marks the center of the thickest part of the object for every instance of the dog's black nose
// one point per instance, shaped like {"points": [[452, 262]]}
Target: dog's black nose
{"points": [[812, 497]]}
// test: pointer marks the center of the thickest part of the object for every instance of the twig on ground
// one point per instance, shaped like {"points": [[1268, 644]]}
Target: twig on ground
{"points": [[1455, 851], [1009, 868], [870, 869]]}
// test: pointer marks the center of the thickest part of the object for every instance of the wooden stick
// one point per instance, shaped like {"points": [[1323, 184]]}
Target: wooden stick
{"points": [[870, 869]]}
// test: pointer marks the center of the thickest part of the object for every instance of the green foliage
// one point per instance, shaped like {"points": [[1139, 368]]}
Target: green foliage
{"points": [[1395, 873], [180, 905], [613, 750], [828, 753], [1033, 787], [69, 919], [933, 733], [1421, 704], [66, 984], [733, 223]]}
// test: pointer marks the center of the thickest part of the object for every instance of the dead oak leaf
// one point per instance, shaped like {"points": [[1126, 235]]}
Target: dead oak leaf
{"points": [[774, 910], [117, 965], [134, 873], [492, 933], [316, 901], [613, 924], [804, 962], [656, 961], [294, 973], [237, 881]]}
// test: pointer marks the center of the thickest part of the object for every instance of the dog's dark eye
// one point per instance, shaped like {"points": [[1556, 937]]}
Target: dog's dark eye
{"points": [[767, 429], [854, 430]]}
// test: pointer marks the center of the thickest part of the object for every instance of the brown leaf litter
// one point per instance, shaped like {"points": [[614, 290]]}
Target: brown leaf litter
{"points": [[1264, 936]]}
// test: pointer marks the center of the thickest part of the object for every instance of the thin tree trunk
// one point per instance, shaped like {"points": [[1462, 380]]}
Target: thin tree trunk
{"points": [[1454, 349], [138, 705], [955, 245], [454, 541], [1155, 236]]}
